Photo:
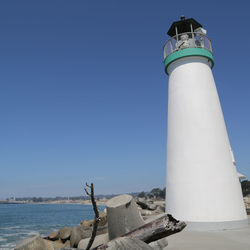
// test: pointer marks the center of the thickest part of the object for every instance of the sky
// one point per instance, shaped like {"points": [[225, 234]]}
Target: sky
{"points": [[83, 93]]}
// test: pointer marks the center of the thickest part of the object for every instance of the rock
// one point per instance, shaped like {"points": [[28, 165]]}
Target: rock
{"points": [[146, 204], [122, 215], [64, 234], [54, 236], [102, 222], [99, 239], [159, 244], [142, 203], [102, 225], [146, 212], [87, 223], [152, 207], [101, 230], [103, 219], [161, 208], [58, 244], [77, 234], [35, 242], [48, 245], [127, 243], [67, 243]]}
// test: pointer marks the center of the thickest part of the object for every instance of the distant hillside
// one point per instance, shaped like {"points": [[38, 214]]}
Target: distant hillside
{"points": [[154, 193], [57, 198]]}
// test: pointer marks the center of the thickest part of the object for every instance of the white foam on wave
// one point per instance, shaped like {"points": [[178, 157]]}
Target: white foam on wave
{"points": [[10, 228], [16, 227], [12, 234], [7, 246], [32, 233], [2, 239]]}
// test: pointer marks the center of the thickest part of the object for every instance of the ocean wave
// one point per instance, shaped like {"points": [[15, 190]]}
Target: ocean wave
{"points": [[32, 233], [7, 246], [8, 235], [11, 228], [21, 221]]}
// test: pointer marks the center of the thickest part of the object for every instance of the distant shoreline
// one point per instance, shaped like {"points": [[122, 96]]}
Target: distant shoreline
{"points": [[77, 202]]}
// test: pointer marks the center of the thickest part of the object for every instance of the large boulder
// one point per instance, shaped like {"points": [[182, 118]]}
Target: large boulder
{"points": [[152, 207], [77, 234], [58, 244], [64, 234], [150, 202], [87, 223], [35, 242], [99, 240], [146, 212], [67, 243], [102, 222], [142, 203], [146, 204], [101, 230], [127, 243], [54, 236], [160, 208], [55, 244], [103, 219]]}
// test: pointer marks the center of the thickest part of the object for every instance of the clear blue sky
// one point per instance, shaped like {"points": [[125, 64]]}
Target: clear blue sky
{"points": [[83, 92]]}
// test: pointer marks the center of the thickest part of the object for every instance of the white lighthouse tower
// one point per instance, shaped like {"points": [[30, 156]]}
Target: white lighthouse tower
{"points": [[202, 186]]}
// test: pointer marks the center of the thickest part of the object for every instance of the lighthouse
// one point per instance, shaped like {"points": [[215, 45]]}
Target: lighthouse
{"points": [[202, 186]]}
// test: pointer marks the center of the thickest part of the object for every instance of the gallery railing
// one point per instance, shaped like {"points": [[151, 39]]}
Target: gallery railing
{"points": [[187, 40]]}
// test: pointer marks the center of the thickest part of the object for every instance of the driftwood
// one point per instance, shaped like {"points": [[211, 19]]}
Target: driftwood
{"points": [[157, 229], [96, 219], [127, 243]]}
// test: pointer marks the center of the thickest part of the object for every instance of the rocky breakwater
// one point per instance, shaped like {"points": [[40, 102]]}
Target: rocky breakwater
{"points": [[150, 208], [65, 237], [126, 223]]}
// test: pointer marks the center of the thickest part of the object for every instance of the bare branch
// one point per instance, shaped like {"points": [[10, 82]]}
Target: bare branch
{"points": [[86, 191], [96, 219], [88, 185]]}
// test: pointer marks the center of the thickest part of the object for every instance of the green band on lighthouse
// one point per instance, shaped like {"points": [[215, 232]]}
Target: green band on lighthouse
{"points": [[188, 52]]}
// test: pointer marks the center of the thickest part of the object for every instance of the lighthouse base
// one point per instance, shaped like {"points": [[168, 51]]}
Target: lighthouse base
{"points": [[216, 226], [216, 240]]}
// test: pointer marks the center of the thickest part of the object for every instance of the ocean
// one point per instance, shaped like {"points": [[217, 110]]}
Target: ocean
{"points": [[18, 221]]}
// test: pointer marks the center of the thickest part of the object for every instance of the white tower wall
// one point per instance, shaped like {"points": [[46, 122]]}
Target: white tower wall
{"points": [[202, 181]]}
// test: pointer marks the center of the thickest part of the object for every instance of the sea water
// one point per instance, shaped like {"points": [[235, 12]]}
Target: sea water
{"points": [[18, 221]]}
